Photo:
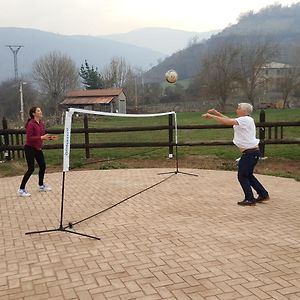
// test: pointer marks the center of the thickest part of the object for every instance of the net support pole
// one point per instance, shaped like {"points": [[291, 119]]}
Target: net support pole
{"points": [[62, 201], [171, 136], [86, 136], [176, 153]]}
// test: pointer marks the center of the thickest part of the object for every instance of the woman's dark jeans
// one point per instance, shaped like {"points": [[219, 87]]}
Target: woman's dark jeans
{"points": [[31, 154]]}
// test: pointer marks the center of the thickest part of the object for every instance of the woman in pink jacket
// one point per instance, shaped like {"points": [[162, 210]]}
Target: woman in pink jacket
{"points": [[35, 135]]}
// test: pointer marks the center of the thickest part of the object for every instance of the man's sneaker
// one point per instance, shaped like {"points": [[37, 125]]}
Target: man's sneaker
{"points": [[44, 188], [261, 199], [247, 202], [23, 193]]}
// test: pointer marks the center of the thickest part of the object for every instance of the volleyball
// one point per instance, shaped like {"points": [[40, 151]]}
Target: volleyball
{"points": [[171, 76]]}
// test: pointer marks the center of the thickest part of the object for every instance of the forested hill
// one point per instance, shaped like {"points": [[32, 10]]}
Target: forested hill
{"points": [[281, 24], [274, 20]]}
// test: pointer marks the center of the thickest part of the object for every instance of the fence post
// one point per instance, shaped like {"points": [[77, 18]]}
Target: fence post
{"points": [[86, 137], [6, 139], [262, 133], [1, 146], [18, 143], [171, 136]]}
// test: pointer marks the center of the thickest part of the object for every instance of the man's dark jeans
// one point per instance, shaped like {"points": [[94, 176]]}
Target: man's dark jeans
{"points": [[245, 175]]}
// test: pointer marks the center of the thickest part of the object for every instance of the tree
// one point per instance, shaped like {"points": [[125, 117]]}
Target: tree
{"points": [[218, 72], [254, 54], [56, 74], [288, 82], [173, 93], [91, 78], [133, 86], [10, 99], [116, 73], [151, 93]]}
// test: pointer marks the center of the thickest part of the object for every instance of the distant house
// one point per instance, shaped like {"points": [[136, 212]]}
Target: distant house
{"points": [[107, 100], [274, 72]]}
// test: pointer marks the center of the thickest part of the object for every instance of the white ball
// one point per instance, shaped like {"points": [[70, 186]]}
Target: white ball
{"points": [[171, 76]]}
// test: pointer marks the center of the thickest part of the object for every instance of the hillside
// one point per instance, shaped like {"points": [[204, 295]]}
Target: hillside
{"points": [[280, 24], [274, 20], [163, 40], [98, 51]]}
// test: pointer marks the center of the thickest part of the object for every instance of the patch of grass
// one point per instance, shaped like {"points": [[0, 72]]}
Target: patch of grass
{"points": [[12, 168], [228, 166], [113, 165], [281, 174]]}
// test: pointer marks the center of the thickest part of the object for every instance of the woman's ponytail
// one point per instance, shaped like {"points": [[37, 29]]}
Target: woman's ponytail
{"points": [[31, 112]]}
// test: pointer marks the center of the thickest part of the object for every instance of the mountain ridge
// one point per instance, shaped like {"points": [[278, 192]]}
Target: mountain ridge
{"points": [[98, 51], [148, 36]]}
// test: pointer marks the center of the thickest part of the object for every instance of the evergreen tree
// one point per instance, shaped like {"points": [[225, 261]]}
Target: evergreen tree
{"points": [[91, 78]]}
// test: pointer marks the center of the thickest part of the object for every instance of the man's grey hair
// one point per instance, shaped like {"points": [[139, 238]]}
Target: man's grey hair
{"points": [[246, 107]]}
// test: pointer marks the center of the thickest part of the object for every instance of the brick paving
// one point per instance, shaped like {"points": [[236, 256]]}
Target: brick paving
{"points": [[183, 239]]}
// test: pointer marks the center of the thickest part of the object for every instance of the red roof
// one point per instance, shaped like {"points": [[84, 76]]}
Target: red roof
{"points": [[86, 100], [94, 93], [89, 97]]}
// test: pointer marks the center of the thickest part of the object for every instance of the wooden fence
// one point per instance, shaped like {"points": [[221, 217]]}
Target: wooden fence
{"points": [[12, 140]]}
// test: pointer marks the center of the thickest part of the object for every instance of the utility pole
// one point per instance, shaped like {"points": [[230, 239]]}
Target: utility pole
{"points": [[15, 49], [135, 93], [21, 100]]}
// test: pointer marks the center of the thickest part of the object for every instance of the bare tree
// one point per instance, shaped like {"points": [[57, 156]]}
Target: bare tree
{"points": [[56, 74], [253, 55], [218, 72], [116, 73], [288, 82]]}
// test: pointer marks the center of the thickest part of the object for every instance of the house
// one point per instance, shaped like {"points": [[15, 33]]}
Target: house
{"points": [[274, 72], [107, 100]]}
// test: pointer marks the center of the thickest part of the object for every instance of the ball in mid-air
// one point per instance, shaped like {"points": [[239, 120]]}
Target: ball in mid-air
{"points": [[171, 76]]}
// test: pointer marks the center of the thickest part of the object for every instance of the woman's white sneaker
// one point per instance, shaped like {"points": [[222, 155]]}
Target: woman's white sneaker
{"points": [[44, 188], [23, 193]]}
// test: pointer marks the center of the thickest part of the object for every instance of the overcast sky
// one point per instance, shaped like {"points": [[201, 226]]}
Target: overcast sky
{"points": [[99, 17]]}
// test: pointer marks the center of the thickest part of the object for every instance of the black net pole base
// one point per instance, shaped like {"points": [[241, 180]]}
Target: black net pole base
{"points": [[177, 167], [61, 227], [63, 230], [178, 172]]}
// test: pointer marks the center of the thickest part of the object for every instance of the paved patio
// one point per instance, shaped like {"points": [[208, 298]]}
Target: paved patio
{"points": [[182, 239]]}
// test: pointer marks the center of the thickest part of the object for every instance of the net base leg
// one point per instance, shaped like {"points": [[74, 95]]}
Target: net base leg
{"points": [[62, 229], [178, 172]]}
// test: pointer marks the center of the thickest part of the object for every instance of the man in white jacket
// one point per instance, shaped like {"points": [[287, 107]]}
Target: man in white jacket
{"points": [[245, 139]]}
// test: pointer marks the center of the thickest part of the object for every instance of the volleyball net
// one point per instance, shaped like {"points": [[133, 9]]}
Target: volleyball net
{"points": [[109, 136]]}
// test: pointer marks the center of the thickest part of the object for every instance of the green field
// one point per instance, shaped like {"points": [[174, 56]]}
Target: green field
{"points": [[287, 152], [227, 152]]}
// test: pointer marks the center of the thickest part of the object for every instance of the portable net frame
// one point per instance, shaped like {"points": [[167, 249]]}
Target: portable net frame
{"points": [[113, 136], [67, 151]]}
